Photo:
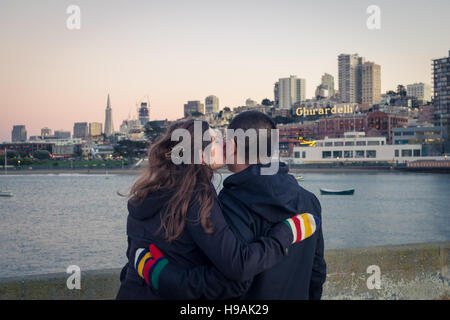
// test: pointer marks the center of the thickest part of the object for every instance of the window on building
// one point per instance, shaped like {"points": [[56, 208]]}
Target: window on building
{"points": [[297, 154], [359, 154], [328, 144], [349, 143], [371, 154], [397, 134], [361, 143], [373, 143], [407, 153], [337, 154], [303, 154], [319, 144], [416, 152], [396, 152], [338, 144], [326, 154], [348, 154]]}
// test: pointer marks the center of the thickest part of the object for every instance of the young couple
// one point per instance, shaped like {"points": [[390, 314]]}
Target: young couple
{"points": [[260, 238]]}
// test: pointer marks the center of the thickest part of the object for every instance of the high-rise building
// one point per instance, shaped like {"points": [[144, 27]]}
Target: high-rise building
{"points": [[144, 113], [359, 81], [371, 83], [95, 129], [46, 132], [419, 90], [193, 106], [441, 88], [109, 126], [276, 94], [19, 133], [80, 130], [328, 84], [290, 91], [211, 104], [62, 134], [350, 77]]}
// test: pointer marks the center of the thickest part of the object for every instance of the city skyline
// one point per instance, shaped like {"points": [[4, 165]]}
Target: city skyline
{"points": [[53, 77]]}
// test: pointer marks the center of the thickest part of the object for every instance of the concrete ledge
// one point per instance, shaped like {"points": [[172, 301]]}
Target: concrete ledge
{"points": [[414, 271]]}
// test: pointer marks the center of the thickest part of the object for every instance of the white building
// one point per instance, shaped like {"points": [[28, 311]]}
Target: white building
{"points": [[290, 91], [356, 147], [419, 90], [250, 103], [211, 104]]}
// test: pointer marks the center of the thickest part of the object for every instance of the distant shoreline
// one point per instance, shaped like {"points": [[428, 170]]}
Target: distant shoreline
{"points": [[224, 171]]}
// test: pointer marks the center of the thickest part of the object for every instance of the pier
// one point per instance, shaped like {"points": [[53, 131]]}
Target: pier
{"points": [[411, 271]]}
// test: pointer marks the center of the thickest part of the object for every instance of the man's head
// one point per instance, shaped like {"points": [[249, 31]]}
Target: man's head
{"points": [[257, 142]]}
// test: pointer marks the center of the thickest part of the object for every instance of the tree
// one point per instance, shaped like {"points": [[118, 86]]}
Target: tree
{"points": [[401, 91], [153, 131], [267, 102], [130, 148], [391, 93], [41, 154]]}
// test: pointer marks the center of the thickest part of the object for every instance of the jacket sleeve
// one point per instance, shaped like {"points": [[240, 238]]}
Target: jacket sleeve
{"points": [[234, 259], [201, 282], [319, 271]]}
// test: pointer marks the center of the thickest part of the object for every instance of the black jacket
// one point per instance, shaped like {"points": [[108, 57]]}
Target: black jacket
{"points": [[201, 264], [252, 203]]}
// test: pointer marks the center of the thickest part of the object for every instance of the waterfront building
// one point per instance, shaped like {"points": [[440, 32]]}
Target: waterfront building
{"points": [[431, 138], [109, 125], [193, 107], [289, 91], [356, 147], [80, 130], [211, 104], [19, 133], [27, 147]]}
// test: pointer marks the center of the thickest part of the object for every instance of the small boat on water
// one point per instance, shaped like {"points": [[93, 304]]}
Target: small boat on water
{"points": [[299, 178], [5, 194], [337, 192]]}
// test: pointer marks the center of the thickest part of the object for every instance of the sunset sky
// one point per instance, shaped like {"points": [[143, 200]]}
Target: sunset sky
{"points": [[174, 51]]}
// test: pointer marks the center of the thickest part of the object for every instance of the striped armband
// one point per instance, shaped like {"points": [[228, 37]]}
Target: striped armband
{"points": [[149, 264], [302, 226]]}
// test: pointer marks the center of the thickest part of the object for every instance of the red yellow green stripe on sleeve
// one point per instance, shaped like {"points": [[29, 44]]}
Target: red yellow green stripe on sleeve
{"points": [[149, 263], [302, 226]]}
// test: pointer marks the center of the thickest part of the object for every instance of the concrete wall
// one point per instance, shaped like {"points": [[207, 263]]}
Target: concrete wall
{"points": [[415, 271]]}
